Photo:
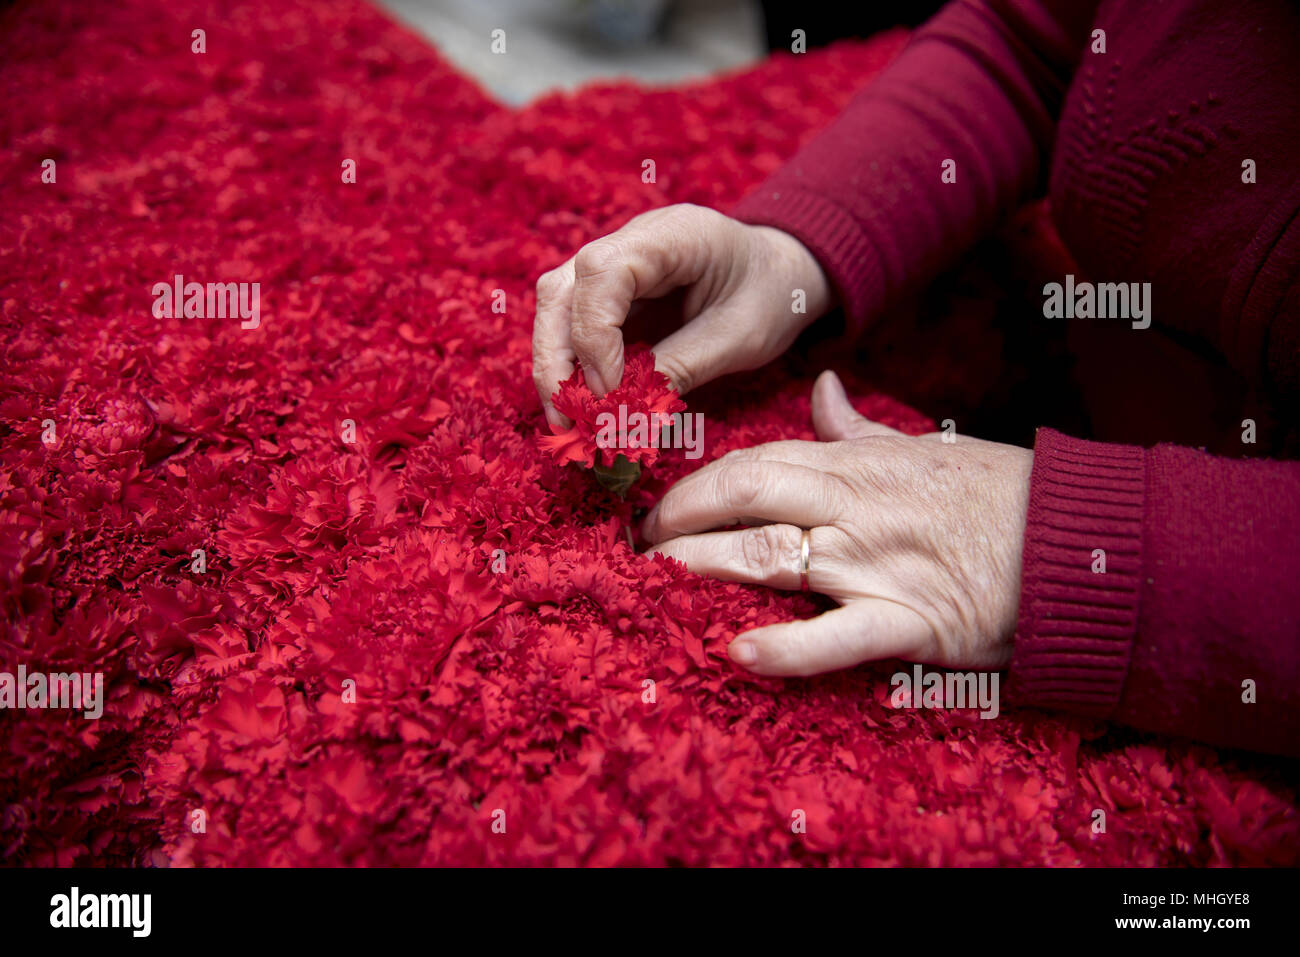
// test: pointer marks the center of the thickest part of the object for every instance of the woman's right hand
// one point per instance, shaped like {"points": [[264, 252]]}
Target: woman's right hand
{"points": [[731, 287]]}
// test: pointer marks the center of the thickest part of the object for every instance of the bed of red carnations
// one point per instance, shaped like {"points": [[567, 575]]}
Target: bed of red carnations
{"points": [[425, 640]]}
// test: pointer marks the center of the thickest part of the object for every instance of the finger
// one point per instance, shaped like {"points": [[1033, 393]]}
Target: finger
{"points": [[745, 492], [646, 258], [553, 354], [763, 555], [834, 417], [702, 350], [865, 630]]}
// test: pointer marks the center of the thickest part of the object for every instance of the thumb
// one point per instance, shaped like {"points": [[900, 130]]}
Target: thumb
{"points": [[702, 350], [834, 417]]}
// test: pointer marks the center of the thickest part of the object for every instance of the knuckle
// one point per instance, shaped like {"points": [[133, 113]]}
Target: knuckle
{"points": [[763, 550], [668, 214], [740, 485], [596, 257], [695, 212]]}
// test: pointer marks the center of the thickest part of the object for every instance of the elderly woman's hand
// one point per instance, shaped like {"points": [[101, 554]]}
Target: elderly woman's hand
{"points": [[918, 539], [743, 294]]}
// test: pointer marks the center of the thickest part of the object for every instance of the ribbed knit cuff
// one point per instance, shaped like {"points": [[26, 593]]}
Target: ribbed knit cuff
{"points": [[1077, 621], [836, 240]]}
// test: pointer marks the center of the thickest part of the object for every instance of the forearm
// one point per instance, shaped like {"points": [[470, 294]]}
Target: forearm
{"points": [[874, 196]]}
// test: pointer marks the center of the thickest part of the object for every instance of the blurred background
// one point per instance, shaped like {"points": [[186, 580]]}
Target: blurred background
{"points": [[562, 44]]}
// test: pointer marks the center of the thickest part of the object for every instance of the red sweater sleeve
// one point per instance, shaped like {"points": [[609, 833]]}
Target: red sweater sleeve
{"points": [[980, 84], [1196, 603], [1201, 554]]}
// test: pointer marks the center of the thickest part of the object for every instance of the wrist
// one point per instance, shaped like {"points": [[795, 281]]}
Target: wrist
{"points": [[804, 271]]}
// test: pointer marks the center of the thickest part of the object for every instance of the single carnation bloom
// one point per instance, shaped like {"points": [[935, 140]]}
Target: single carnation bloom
{"points": [[620, 431]]}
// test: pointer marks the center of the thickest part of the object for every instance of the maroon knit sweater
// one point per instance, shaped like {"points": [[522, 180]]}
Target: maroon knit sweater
{"points": [[1141, 150]]}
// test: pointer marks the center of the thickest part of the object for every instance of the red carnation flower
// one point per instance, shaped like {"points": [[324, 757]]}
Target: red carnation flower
{"points": [[616, 433]]}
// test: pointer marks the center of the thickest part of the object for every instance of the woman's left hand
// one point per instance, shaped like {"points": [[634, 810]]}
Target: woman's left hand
{"points": [[918, 539]]}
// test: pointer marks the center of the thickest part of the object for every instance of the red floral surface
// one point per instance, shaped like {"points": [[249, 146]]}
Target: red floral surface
{"points": [[521, 690]]}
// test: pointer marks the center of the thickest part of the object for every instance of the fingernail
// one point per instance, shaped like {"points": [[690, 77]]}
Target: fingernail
{"points": [[743, 652]]}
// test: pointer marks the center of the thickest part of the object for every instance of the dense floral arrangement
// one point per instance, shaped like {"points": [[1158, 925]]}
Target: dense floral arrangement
{"points": [[347, 607]]}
